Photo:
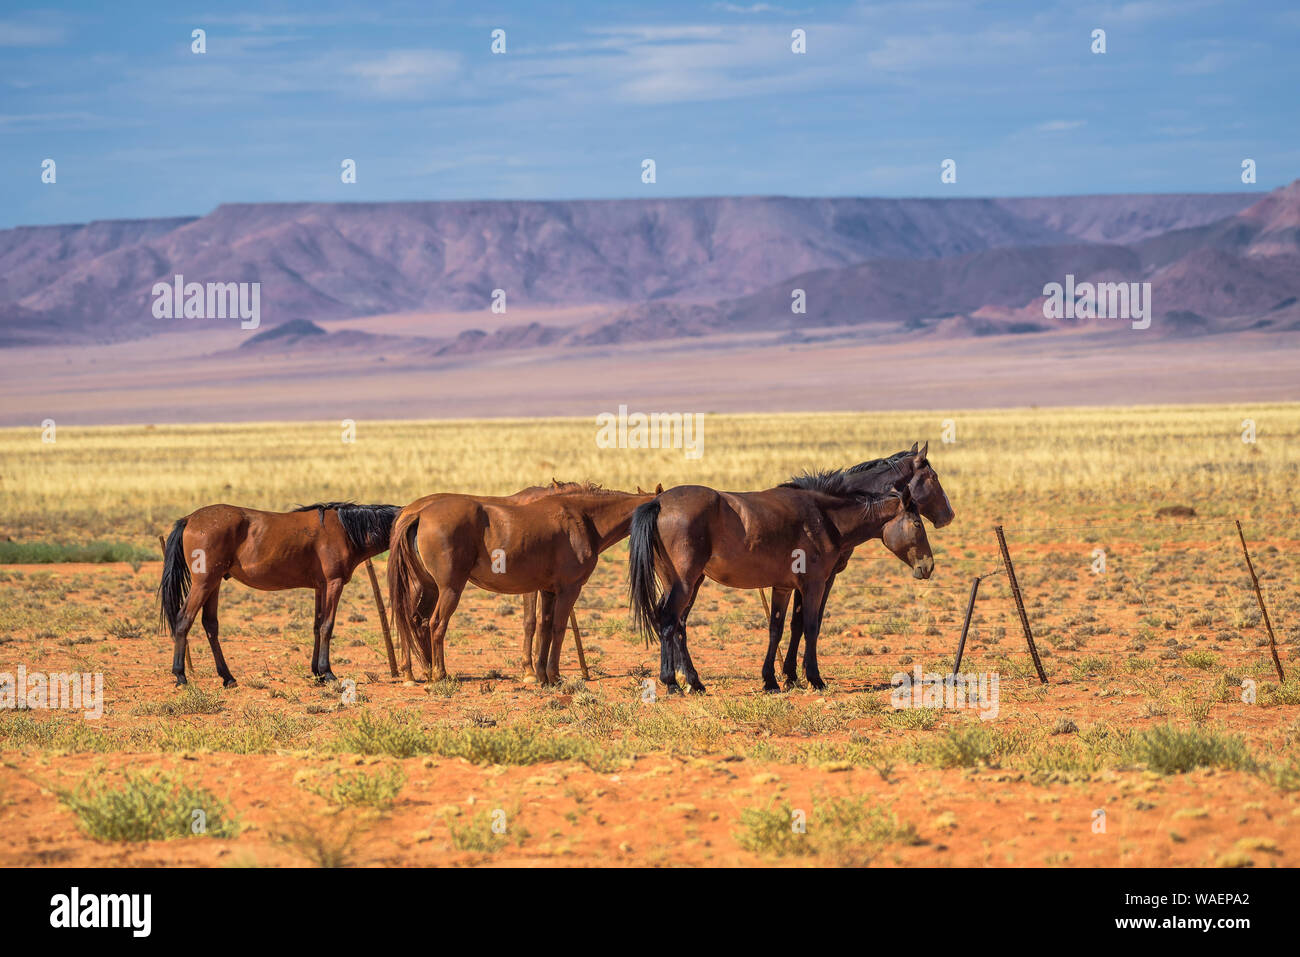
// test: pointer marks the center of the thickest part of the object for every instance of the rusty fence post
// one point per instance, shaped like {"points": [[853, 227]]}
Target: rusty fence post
{"points": [[383, 618], [1020, 602], [965, 627], [1259, 597]]}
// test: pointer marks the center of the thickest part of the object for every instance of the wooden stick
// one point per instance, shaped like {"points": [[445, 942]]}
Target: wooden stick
{"points": [[1259, 597], [767, 611], [383, 618], [1020, 603], [577, 643], [189, 662]]}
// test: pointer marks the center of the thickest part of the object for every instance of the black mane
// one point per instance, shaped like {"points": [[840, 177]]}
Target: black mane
{"points": [[367, 526], [876, 476]]}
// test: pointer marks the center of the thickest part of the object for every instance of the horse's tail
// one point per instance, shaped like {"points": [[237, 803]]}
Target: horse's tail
{"points": [[175, 585], [402, 559], [642, 584]]}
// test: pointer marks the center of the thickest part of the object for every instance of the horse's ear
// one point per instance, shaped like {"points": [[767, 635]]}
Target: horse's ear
{"points": [[555, 483], [659, 488], [912, 450], [920, 456]]}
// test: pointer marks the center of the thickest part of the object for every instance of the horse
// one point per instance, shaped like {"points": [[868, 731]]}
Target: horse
{"points": [[796, 536], [549, 545], [314, 546], [532, 602], [912, 468]]}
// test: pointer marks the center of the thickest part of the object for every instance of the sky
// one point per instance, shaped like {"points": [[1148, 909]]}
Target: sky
{"points": [[140, 125]]}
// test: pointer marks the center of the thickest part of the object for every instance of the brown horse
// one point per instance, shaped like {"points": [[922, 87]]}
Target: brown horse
{"points": [[314, 546], [533, 601], [549, 545], [911, 468], [793, 537]]}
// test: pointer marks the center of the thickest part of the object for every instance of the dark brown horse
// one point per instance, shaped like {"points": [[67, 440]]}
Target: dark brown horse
{"points": [[911, 469], [314, 546], [793, 537], [549, 545]]}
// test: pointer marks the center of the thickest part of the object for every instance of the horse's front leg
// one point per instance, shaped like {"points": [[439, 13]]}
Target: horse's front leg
{"points": [[530, 627], [315, 627], [814, 604], [775, 625]]}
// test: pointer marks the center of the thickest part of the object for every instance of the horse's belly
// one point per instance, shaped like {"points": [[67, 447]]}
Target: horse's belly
{"points": [[751, 576]]}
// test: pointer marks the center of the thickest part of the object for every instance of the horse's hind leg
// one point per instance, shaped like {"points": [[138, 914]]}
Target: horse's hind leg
{"points": [[673, 654], [530, 627], [194, 603], [210, 626], [775, 625], [448, 599]]}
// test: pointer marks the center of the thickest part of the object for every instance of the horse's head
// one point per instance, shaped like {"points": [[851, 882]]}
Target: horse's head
{"points": [[930, 498], [904, 535]]}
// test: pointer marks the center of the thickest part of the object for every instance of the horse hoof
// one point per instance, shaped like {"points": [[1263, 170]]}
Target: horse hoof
{"points": [[771, 687], [530, 679], [229, 683], [325, 677], [180, 681], [409, 683]]}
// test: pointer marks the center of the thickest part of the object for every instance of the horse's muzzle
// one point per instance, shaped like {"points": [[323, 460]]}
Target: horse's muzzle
{"points": [[924, 568]]}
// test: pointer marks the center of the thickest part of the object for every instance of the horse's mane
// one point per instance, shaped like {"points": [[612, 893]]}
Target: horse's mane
{"points": [[591, 488], [367, 526], [853, 480]]}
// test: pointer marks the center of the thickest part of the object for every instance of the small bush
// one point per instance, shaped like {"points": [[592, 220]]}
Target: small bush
{"points": [[358, 789], [1171, 750], [150, 806]]}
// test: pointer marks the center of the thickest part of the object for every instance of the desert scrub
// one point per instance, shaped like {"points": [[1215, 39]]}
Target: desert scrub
{"points": [[844, 831], [486, 832], [149, 806], [1172, 750], [402, 737], [192, 699], [359, 789], [912, 719], [971, 744], [398, 735]]}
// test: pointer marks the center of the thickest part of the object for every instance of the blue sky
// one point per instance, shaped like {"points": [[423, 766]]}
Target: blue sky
{"points": [[140, 126]]}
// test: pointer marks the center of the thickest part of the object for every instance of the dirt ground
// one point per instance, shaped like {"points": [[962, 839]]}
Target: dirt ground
{"points": [[698, 780]]}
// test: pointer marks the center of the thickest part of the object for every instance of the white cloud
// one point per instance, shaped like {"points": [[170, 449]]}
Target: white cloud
{"points": [[1058, 126], [15, 34], [402, 73]]}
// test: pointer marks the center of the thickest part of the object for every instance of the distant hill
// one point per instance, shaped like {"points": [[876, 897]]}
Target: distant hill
{"points": [[663, 266]]}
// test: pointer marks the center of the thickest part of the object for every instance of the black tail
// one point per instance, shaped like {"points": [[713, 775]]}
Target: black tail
{"points": [[175, 585], [642, 584]]}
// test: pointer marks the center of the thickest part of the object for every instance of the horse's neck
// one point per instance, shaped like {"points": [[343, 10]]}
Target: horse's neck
{"points": [[856, 523], [611, 516]]}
